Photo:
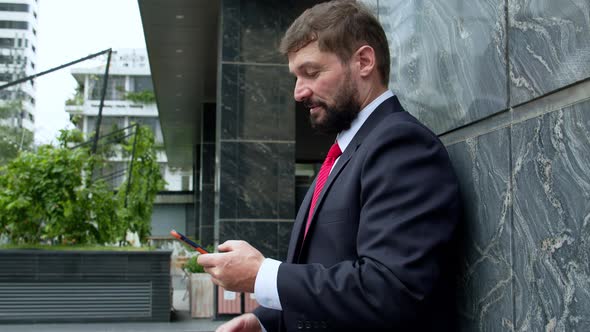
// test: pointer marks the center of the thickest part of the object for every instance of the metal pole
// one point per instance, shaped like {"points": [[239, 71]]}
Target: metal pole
{"points": [[32, 77], [131, 164], [104, 90]]}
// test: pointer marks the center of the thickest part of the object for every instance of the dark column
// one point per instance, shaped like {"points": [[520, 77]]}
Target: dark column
{"points": [[207, 179], [255, 146]]}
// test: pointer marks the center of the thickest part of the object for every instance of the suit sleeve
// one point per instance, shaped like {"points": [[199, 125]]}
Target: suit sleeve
{"points": [[269, 318], [409, 202]]}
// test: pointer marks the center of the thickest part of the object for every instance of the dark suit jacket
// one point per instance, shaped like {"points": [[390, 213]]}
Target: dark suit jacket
{"points": [[378, 254]]}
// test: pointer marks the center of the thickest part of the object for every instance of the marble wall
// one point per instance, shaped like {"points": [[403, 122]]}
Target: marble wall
{"points": [[505, 84], [448, 58], [549, 46], [485, 285], [551, 225]]}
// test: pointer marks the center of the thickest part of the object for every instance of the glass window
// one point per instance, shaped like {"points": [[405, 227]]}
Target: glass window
{"points": [[7, 42], [152, 123], [107, 125], [20, 25], [142, 83], [115, 88], [185, 183], [5, 94], [14, 7], [6, 59], [5, 77]]}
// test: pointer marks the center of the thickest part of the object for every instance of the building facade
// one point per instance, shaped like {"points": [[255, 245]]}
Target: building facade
{"points": [[18, 56], [129, 74], [504, 83]]}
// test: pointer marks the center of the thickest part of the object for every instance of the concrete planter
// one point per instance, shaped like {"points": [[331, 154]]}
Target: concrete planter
{"points": [[201, 295], [84, 286]]}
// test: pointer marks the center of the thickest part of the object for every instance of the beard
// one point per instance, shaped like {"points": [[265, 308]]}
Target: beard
{"points": [[337, 117]]}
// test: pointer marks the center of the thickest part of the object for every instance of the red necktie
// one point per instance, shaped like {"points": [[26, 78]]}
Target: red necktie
{"points": [[333, 154]]}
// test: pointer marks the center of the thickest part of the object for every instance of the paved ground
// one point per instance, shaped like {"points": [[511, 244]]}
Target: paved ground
{"points": [[197, 326], [194, 325]]}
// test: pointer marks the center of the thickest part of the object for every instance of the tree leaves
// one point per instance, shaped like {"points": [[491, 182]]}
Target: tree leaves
{"points": [[48, 196]]}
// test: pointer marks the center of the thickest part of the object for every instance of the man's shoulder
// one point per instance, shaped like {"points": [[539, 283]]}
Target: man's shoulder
{"points": [[403, 122], [398, 115]]}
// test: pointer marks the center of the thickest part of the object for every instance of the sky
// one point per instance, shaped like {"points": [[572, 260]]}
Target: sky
{"points": [[69, 30]]}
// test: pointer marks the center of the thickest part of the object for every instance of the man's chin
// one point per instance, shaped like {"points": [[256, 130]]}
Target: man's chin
{"points": [[317, 117], [321, 128]]}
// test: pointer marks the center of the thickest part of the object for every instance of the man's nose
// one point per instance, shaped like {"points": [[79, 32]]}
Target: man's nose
{"points": [[301, 92]]}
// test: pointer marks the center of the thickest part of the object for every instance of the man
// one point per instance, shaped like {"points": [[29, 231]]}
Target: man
{"points": [[371, 244]]}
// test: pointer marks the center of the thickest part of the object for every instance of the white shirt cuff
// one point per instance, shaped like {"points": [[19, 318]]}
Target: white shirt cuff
{"points": [[265, 286]]}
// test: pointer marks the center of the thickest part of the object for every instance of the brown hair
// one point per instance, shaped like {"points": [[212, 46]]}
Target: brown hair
{"points": [[340, 27]]}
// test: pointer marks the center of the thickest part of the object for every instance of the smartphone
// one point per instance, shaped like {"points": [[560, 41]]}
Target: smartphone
{"points": [[188, 241]]}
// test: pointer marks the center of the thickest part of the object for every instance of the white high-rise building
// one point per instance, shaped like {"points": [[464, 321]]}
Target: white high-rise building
{"points": [[129, 72], [18, 56]]}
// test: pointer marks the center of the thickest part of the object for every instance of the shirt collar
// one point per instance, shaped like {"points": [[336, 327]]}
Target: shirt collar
{"points": [[345, 137]]}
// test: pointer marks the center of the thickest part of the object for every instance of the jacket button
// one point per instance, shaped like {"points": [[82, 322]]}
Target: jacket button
{"points": [[307, 324]]}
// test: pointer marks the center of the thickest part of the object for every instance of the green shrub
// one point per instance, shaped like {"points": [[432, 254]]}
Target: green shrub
{"points": [[49, 196], [191, 266]]}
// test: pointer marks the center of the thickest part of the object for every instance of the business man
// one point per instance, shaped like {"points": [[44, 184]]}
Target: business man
{"points": [[371, 246]]}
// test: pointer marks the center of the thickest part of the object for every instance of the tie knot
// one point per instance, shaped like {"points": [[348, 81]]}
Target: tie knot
{"points": [[334, 151]]}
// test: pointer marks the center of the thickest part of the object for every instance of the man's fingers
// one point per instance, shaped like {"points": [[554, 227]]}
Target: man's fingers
{"points": [[228, 245], [243, 323], [231, 245], [209, 260], [216, 281]]}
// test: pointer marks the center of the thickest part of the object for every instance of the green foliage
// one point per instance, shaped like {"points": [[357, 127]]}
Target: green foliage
{"points": [[67, 138], [143, 97], [77, 98], [146, 180], [84, 247], [40, 193], [191, 265], [50, 197]]}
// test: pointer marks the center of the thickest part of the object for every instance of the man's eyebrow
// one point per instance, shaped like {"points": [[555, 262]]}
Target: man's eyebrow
{"points": [[307, 64]]}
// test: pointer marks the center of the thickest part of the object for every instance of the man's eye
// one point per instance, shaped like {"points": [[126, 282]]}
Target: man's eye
{"points": [[312, 73]]}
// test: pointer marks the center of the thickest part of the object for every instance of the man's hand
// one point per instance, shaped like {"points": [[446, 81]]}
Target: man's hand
{"points": [[235, 267], [243, 323]]}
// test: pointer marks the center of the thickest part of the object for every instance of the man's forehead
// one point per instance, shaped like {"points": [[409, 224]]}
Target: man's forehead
{"points": [[306, 57]]}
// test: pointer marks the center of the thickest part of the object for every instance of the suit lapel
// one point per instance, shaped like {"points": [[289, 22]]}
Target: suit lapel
{"points": [[388, 106], [299, 223]]}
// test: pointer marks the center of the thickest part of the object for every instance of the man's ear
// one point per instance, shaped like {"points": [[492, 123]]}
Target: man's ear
{"points": [[365, 56]]}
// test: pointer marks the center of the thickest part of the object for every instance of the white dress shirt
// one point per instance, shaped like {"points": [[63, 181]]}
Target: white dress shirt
{"points": [[265, 286]]}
